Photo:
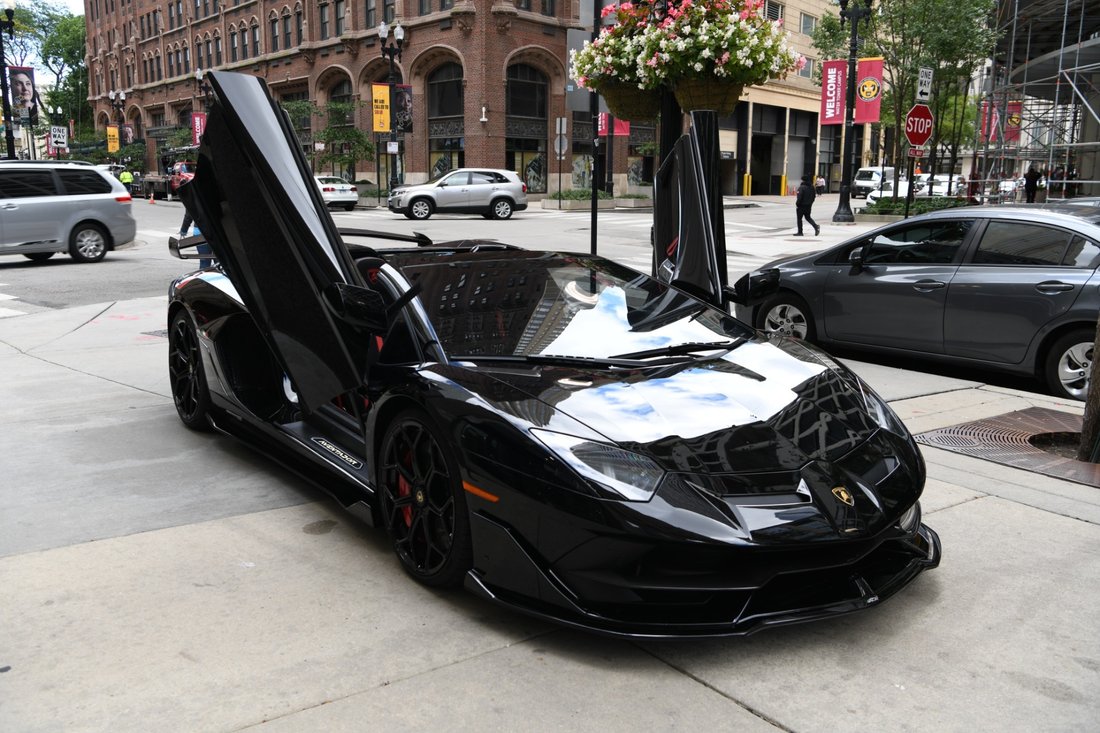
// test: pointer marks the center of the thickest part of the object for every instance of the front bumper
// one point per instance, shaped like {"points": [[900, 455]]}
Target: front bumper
{"points": [[734, 592]]}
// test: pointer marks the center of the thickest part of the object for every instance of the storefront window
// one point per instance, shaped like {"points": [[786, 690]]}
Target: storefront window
{"points": [[446, 126], [526, 126]]}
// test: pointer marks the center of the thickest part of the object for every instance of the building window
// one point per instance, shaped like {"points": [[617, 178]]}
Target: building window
{"points": [[424, 7], [286, 31], [526, 103], [773, 10], [523, 4], [807, 71], [446, 4], [339, 11], [218, 50], [387, 11], [244, 43], [298, 24], [809, 24], [548, 7], [171, 16], [371, 19], [171, 66], [209, 54], [274, 34], [187, 60], [256, 40], [232, 45], [446, 146], [445, 91], [324, 22]]}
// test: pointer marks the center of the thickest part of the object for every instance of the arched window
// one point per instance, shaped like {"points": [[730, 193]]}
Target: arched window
{"points": [[255, 38], [287, 43], [233, 49], [446, 123], [273, 24], [526, 102]]}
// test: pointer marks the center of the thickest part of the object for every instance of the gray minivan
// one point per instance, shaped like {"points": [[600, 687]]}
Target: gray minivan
{"points": [[48, 207]]}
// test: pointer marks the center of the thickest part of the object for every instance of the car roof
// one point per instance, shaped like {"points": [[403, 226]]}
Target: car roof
{"points": [[1057, 213], [47, 162]]}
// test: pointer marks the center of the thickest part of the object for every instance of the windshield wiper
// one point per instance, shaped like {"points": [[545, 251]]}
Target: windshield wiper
{"points": [[693, 347], [585, 362]]}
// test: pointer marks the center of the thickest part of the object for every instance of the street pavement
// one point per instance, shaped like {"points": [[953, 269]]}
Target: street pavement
{"points": [[153, 578]]}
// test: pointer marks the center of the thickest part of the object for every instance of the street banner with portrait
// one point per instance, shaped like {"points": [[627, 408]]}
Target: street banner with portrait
{"points": [[380, 107], [834, 79], [24, 100], [868, 91], [112, 138], [402, 108]]}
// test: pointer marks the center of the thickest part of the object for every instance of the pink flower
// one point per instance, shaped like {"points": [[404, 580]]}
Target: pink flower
{"points": [[607, 11], [724, 58]]}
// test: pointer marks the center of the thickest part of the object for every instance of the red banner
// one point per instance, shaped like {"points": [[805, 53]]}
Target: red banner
{"points": [[622, 127], [834, 76], [1014, 121], [868, 91], [198, 127]]}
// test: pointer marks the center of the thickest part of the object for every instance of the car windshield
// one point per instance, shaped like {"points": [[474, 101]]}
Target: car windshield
{"points": [[541, 304], [865, 175]]}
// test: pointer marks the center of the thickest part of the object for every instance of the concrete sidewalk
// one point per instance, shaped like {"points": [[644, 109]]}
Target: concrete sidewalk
{"points": [[158, 579]]}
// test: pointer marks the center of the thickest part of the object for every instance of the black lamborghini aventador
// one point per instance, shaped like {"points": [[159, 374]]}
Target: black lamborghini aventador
{"points": [[557, 432]]}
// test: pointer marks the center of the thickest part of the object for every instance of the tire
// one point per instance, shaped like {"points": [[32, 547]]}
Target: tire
{"points": [[185, 374], [1068, 362], [502, 209], [408, 215], [788, 314], [39, 256], [420, 209], [88, 243], [422, 501], [349, 207]]}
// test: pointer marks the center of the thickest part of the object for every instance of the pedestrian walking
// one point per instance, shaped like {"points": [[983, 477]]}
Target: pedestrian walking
{"points": [[819, 185], [1031, 184], [803, 203]]}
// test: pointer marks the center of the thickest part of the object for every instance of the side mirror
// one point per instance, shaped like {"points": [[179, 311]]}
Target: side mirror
{"points": [[855, 259], [754, 288]]}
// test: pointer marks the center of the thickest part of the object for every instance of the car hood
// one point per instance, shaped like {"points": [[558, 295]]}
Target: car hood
{"points": [[765, 406]]}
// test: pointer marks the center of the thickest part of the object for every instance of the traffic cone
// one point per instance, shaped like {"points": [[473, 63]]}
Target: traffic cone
{"points": [[152, 199]]}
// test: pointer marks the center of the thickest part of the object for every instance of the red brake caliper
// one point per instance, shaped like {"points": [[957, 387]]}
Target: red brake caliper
{"points": [[403, 489]]}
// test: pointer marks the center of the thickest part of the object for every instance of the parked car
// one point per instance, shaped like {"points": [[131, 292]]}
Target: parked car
{"points": [[1012, 289], [887, 190], [869, 179], [494, 194], [46, 208], [556, 432], [337, 192]]}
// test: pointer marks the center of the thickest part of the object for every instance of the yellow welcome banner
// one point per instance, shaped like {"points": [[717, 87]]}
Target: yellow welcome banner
{"points": [[380, 104], [112, 138]]}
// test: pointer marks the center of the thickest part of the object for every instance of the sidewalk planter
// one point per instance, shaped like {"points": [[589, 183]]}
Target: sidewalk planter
{"points": [[634, 203], [573, 205], [878, 218]]}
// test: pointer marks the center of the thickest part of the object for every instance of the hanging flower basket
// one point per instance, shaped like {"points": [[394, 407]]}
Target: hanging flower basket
{"points": [[708, 93], [628, 102]]}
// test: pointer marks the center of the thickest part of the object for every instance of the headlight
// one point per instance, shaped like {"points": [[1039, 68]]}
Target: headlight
{"points": [[910, 521], [624, 475], [879, 410]]}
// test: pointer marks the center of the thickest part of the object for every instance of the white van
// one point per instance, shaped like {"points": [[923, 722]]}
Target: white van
{"points": [[870, 179]]}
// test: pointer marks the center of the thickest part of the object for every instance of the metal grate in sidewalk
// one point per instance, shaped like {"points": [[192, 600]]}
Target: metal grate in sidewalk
{"points": [[1014, 439]]}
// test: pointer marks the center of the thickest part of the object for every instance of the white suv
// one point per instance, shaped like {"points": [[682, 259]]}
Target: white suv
{"points": [[48, 207], [494, 194]]}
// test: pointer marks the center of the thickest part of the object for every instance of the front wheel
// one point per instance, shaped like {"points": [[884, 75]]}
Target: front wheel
{"points": [[1068, 363], [422, 501], [186, 377], [502, 209], [788, 314], [88, 243], [420, 209]]}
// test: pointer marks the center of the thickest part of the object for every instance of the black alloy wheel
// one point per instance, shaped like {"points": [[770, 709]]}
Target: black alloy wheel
{"points": [[185, 374], [422, 502]]}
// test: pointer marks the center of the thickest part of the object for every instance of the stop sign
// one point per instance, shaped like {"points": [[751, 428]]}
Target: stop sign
{"points": [[918, 125]]}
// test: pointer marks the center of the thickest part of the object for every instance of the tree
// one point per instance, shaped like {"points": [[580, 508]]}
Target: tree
{"points": [[345, 144]]}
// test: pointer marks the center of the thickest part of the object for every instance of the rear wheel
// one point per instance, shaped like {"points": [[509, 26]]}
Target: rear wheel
{"points": [[349, 207], [88, 243], [39, 256], [422, 501], [420, 209], [1068, 362], [502, 209], [788, 314], [185, 374]]}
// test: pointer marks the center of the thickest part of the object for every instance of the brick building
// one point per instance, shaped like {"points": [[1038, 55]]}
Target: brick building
{"points": [[488, 81]]}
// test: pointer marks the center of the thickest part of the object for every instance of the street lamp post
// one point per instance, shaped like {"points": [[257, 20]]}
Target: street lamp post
{"points": [[853, 11], [203, 86], [7, 23], [118, 101], [392, 51]]}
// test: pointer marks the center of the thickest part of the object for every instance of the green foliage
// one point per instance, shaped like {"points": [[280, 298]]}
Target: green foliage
{"points": [[345, 144], [578, 194], [919, 205], [179, 138]]}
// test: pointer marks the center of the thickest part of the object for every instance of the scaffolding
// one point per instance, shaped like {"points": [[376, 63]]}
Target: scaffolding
{"points": [[1039, 103]]}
